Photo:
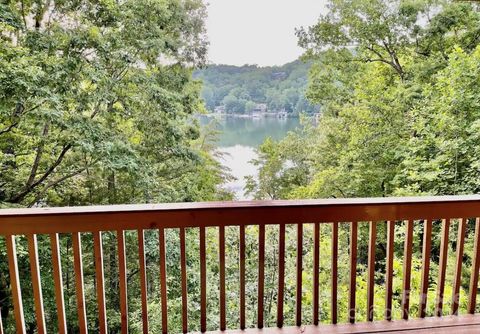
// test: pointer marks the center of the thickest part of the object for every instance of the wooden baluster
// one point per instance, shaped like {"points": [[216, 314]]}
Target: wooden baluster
{"points": [[183, 267], [261, 274], [316, 274], [298, 304], [99, 278], [79, 286], [58, 282], [242, 276], [353, 271], [407, 269], [122, 272], [281, 274], [163, 279], [427, 245], [36, 283], [389, 270], [203, 282], [143, 279], [1, 324], [15, 284], [442, 266], [221, 254], [462, 227], [333, 302], [371, 270], [472, 299]]}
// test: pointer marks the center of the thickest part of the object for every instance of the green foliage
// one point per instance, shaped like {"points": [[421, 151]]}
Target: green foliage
{"points": [[239, 89], [399, 90], [96, 106], [399, 100]]}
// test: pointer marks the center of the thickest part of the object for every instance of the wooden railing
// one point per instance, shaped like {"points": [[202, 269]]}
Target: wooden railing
{"points": [[95, 220]]}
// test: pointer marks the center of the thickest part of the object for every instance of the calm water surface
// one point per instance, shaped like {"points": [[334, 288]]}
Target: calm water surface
{"points": [[239, 139]]}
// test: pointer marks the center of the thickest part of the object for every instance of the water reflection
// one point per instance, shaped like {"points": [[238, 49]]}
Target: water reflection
{"points": [[237, 158], [238, 140]]}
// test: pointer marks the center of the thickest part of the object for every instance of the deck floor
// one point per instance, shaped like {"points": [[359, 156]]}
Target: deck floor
{"points": [[464, 324]]}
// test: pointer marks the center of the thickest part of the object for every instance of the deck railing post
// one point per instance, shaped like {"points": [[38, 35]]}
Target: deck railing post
{"points": [[143, 279], [407, 269], [442, 266], [372, 239], [58, 282], [427, 245], [316, 271], [15, 284], [334, 274], [281, 274], [79, 284], [472, 299], [353, 271], [389, 269]]}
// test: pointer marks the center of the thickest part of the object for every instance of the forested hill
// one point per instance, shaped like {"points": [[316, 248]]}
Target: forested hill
{"points": [[240, 88]]}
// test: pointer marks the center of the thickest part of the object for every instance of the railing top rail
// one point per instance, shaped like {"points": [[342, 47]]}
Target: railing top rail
{"points": [[113, 217], [225, 205]]}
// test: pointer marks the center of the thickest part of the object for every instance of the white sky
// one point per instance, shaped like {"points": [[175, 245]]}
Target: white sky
{"points": [[258, 31]]}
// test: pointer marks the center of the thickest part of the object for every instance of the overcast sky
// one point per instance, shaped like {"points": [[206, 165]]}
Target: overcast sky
{"points": [[258, 31]]}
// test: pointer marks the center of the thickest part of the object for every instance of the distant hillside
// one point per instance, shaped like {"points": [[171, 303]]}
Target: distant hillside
{"points": [[240, 88]]}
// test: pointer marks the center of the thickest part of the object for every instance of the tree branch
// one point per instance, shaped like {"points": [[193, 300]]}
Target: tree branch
{"points": [[28, 189], [56, 182], [38, 156]]}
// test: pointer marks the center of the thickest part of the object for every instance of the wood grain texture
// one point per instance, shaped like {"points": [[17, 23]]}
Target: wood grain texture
{"points": [[389, 270], [223, 298], [462, 228], [442, 266], [132, 217], [100, 282], [221, 214], [58, 283], [353, 271], [163, 280], [298, 290], [281, 275], [79, 285], [15, 284], [334, 274], [407, 269], [261, 275], [426, 250], [242, 276], [36, 283], [372, 240], [143, 279], [316, 272], [466, 324], [1, 322], [122, 279], [203, 281], [183, 269], [472, 294]]}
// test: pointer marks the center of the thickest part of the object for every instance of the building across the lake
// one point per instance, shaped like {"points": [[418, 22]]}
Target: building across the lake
{"points": [[260, 108], [219, 109]]}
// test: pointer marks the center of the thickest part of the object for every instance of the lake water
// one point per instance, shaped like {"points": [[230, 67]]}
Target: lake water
{"points": [[238, 141]]}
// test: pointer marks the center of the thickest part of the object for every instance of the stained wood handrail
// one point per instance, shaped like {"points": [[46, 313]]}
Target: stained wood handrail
{"points": [[122, 218]]}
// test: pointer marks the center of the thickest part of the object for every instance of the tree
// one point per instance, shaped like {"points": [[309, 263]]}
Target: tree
{"points": [[441, 157], [253, 85], [89, 110], [96, 106]]}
